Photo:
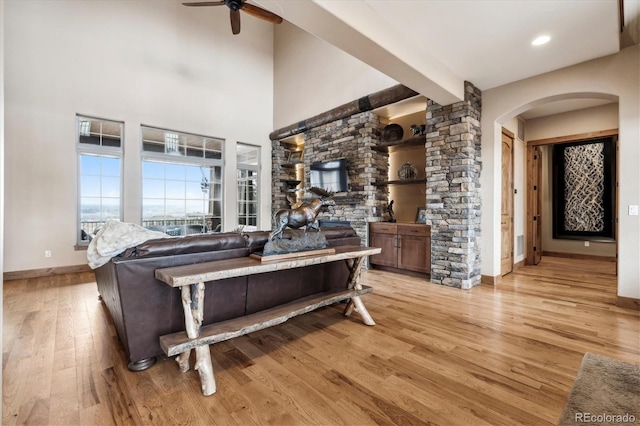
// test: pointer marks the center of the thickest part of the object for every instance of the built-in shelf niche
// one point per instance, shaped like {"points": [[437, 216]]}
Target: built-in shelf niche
{"points": [[294, 170], [408, 194], [401, 182], [419, 140]]}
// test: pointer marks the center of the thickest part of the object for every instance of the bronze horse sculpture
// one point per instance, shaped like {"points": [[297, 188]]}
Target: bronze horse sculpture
{"points": [[301, 215]]}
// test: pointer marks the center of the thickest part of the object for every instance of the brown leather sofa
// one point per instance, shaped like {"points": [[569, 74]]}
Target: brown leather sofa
{"points": [[143, 308]]}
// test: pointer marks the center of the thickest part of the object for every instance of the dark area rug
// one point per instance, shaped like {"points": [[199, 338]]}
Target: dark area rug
{"points": [[606, 392]]}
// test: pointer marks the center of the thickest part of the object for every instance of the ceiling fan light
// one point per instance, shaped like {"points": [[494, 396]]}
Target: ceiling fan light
{"points": [[539, 41]]}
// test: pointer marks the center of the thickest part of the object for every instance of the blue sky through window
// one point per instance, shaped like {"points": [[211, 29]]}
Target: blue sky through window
{"points": [[175, 191], [99, 188]]}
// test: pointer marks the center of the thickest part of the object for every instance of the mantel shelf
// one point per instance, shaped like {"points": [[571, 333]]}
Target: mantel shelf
{"points": [[414, 141], [401, 182]]}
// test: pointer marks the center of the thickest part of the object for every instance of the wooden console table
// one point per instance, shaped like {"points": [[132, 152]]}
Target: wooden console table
{"points": [[191, 279]]}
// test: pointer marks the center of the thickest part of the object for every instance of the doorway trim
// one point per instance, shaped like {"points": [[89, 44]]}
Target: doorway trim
{"points": [[533, 219], [530, 254]]}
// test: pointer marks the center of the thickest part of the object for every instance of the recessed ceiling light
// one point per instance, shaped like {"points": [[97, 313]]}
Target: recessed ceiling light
{"points": [[541, 40]]}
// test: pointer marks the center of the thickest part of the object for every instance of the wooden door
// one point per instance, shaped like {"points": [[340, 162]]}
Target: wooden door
{"points": [[506, 220], [534, 205]]}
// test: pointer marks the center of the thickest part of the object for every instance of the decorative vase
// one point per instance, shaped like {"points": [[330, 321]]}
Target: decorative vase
{"points": [[407, 172]]}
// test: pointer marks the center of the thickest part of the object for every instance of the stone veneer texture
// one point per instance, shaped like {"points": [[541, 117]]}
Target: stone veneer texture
{"points": [[453, 190], [453, 166], [349, 138]]}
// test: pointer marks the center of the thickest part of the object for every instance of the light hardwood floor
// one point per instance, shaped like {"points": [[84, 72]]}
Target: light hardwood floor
{"points": [[503, 355]]}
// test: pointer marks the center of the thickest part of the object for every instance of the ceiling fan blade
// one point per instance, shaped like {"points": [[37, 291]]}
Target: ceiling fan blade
{"points": [[235, 21], [205, 3], [258, 12]]}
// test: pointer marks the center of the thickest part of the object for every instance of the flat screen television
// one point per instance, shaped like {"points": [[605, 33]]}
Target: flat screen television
{"points": [[330, 175]]}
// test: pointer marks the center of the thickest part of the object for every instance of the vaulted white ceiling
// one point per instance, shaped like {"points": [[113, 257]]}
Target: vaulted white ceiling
{"points": [[433, 46]]}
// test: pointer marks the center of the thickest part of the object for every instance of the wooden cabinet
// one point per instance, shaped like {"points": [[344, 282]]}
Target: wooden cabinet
{"points": [[384, 235], [405, 246]]}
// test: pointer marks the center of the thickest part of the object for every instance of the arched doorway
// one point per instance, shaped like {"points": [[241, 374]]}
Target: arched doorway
{"points": [[557, 119], [616, 77]]}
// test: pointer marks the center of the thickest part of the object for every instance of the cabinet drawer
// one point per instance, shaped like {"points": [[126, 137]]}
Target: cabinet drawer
{"points": [[421, 230], [383, 228]]}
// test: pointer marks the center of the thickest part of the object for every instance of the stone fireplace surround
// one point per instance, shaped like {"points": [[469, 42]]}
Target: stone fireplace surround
{"points": [[453, 166]]}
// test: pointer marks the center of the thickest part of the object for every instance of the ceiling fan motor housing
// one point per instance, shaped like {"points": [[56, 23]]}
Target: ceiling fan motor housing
{"points": [[234, 5]]}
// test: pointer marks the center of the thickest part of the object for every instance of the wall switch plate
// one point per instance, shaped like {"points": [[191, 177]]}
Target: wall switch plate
{"points": [[47, 253], [633, 210], [586, 243]]}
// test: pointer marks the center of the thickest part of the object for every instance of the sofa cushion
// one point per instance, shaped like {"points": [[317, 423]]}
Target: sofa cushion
{"points": [[189, 244], [256, 240]]}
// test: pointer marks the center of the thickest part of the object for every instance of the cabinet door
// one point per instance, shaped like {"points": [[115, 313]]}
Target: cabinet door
{"points": [[387, 242], [413, 253]]}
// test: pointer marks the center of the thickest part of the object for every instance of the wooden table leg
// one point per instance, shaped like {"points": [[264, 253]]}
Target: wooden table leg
{"points": [[183, 360], [193, 305], [356, 302]]}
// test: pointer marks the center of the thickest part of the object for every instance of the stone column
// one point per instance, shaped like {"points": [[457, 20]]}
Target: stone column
{"points": [[278, 177], [453, 189]]}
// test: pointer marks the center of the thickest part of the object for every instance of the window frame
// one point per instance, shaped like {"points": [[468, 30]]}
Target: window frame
{"points": [[252, 167], [83, 149], [181, 159]]}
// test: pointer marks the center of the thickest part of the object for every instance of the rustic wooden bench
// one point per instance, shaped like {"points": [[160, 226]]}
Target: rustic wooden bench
{"points": [[191, 279]]}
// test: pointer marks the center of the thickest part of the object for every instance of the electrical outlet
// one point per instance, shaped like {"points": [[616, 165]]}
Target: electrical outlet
{"points": [[47, 253], [633, 210], [586, 243]]}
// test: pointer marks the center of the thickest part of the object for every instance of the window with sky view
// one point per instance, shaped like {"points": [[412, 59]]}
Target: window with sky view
{"points": [[181, 182], [99, 147]]}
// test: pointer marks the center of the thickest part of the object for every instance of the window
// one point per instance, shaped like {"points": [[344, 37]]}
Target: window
{"points": [[248, 159], [99, 146], [181, 182], [584, 189]]}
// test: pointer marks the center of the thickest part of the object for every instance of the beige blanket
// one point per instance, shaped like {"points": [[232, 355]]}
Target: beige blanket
{"points": [[115, 237]]}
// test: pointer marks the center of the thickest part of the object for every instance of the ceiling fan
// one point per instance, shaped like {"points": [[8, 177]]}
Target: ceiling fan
{"points": [[235, 7]]}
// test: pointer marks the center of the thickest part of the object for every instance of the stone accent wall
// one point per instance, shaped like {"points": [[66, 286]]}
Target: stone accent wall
{"points": [[453, 166], [453, 190], [349, 138], [278, 177]]}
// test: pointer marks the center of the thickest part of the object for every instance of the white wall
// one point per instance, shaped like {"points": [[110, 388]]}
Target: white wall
{"points": [[1, 180], [570, 123], [312, 76], [615, 76], [586, 120], [155, 63]]}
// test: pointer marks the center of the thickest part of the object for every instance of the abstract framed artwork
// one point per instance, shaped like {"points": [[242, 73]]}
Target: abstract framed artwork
{"points": [[584, 191]]}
